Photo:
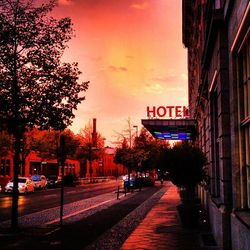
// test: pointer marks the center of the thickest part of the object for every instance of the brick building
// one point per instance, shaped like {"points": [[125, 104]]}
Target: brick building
{"points": [[106, 165], [216, 34], [34, 164]]}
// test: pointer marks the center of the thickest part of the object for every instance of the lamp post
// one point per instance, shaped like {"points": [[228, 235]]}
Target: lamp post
{"points": [[138, 164]]}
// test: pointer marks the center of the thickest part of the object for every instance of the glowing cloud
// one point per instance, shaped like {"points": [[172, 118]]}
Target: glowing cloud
{"points": [[117, 69], [139, 6], [65, 2], [154, 88], [131, 52], [184, 76]]}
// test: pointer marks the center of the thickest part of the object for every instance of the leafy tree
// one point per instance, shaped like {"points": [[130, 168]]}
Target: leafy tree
{"points": [[36, 88], [45, 142], [125, 155], [5, 143], [186, 165], [147, 150], [90, 147], [72, 143], [25, 147]]}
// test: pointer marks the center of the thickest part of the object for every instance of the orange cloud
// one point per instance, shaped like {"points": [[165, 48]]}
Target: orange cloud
{"points": [[139, 6], [154, 88], [131, 52], [117, 69], [65, 2]]}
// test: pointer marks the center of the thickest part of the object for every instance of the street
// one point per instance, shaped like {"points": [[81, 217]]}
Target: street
{"points": [[49, 198], [84, 220]]}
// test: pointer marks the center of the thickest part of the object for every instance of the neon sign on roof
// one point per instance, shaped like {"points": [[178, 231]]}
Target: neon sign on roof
{"points": [[173, 135], [167, 112]]}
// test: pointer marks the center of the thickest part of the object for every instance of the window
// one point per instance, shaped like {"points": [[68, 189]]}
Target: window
{"points": [[2, 167], [244, 104], [215, 144], [7, 167], [204, 135]]}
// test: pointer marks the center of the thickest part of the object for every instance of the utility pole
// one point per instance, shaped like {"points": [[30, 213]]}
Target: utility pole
{"points": [[92, 146]]}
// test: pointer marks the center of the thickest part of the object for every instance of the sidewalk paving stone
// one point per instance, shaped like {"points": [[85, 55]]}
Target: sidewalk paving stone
{"points": [[162, 229]]}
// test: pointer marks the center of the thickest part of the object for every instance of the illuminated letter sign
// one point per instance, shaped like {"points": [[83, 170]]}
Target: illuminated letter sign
{"points": [[149, 112], [167, 112], [161, 111]]}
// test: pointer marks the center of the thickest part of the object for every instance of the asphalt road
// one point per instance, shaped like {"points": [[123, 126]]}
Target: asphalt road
{"points": [[81, 233], [44, 199]]}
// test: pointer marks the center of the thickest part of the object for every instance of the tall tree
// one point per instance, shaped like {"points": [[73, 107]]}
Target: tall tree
{"points": [[36, 88], [45, 143], [147, 150], [5, 143], [87, 150]]}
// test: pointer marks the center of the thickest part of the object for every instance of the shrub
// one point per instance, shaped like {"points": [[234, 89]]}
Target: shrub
{"points": [[186, 165]]}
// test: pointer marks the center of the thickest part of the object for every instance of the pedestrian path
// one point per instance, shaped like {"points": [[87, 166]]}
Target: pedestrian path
{"points": [[162, 229]]}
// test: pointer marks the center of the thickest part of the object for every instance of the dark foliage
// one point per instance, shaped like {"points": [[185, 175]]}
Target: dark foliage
{"points": [[185, 164]]}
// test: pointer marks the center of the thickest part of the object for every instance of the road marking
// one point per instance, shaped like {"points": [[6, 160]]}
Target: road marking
{"points": [[71, 192], [53, 231], [80, 211], [51, 195]]}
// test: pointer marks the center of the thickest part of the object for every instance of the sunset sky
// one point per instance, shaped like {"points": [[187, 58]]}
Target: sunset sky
{"points": [[131, 52]]}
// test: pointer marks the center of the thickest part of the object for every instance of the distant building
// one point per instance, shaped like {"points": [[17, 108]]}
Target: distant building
{"points": [[6, 165], [105, 166], [34, 164], [217, 36]]}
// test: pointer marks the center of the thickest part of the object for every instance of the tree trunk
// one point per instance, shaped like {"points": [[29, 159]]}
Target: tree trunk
{"points": [[62, 160], [90, 170], [17, 136], [14, 215], [23, 165], [129, 172]]}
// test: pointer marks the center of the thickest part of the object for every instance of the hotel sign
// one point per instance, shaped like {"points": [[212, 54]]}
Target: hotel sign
{"points": [[167, 112]]}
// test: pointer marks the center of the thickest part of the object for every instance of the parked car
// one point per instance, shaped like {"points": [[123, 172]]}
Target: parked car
{"points": [[133, 181], [40, 181], [25, 185], [54, 181]]}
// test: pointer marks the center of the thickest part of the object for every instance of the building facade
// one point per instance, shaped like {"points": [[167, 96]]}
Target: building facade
{"points": [[105, 166], [216, 34], [34, 164]]}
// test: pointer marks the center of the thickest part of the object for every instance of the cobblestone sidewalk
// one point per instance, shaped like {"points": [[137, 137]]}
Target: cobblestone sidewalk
{"points": [[161, 229]]}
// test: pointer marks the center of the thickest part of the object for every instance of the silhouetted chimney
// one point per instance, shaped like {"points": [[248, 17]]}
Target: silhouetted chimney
{"points": [[94, 134]]}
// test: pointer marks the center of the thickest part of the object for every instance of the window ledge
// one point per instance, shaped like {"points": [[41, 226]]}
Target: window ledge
{"points": [[217, 201], [244, 217]]}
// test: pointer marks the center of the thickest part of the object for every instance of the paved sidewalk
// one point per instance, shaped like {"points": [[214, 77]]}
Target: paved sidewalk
{"points": [[162, 229]]}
